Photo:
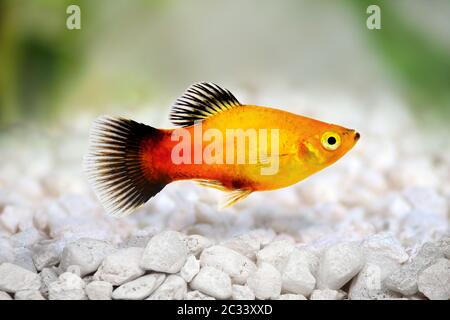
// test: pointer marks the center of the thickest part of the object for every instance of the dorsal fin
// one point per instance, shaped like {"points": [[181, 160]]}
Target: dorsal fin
{"points": [[201, 101]]}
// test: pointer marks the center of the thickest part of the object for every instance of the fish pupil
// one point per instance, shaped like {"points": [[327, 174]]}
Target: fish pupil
{"points": [[331, 140]]}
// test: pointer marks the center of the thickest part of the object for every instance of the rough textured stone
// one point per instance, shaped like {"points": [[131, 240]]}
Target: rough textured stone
{"points": [[23, 258], [265, 282], [327, 294], [121, 266], [190, 268], [213, 282], [28, 295], [369, 284], [165, 252], [14, 278], [47, 253], [236, 265], [297, 276], [338, 265], [434, 281], [88, 254], [242, 293], [99, 290], [26, 238], [140, 288], [290, 296], [404, 280], [195, 244], [68, 287], [197, 295], [173, 288], [48, 275], [247, 244], [276, 253]]}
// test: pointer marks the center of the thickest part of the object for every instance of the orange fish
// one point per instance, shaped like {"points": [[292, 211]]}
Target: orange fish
{"points": [[221, 143]]}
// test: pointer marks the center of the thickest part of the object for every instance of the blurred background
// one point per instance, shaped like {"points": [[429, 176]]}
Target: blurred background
{"points": [[311, 57], [144, 53]]}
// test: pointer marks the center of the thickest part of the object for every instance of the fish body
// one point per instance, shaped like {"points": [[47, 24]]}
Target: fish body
{"points": [[221, 144]]}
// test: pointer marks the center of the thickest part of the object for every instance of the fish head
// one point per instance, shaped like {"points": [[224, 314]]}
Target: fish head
{"points": [[327, 144]]}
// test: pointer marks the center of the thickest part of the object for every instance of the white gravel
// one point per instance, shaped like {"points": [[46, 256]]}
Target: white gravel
{"points": [[165, 252], [173, 288], [190, 268], [240, 292], [121, 266], [375, 225], [99, 290], [69, 286], [265, 282], [339, 264], [236, 265], [298, 272], [212, 282], [140, 288], [434, 281], [14, 278], [85, 253]]}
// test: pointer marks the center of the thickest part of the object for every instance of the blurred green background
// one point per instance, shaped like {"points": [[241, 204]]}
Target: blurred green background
{"points": [[130, 53]]}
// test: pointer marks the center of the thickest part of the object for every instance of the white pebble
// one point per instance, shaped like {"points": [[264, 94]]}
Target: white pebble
{"points": [[26, 238], [195, 244], [339, 264], [242, 293], [14, 218], [88, 254], [213, 282], [68, 287], [434, 281], [99, 290], [23, 258], [265, 282], [246, 244], [404, 280], [28, 295], [47, 253], [165, 252], [174, 288], [190, 268], [48, 275], [290, 296], [197, 295], [276, 253], [297, 276], [327, 294], [14, 278], [140, 288], [6, 250], [369, 283], [121, 266], [237, 266]]}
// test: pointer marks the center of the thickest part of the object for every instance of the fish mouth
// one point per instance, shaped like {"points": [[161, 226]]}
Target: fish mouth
{"points": [[357, 136]]}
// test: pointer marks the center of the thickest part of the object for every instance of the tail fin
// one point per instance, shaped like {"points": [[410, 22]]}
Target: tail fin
{"points": [[114, 164]]}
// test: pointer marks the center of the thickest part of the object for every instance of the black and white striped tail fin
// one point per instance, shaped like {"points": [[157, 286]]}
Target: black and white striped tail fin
{"points": [[114, 164]]}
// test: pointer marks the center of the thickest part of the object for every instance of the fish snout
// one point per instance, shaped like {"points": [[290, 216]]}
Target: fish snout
{"points": [[357, 135]]}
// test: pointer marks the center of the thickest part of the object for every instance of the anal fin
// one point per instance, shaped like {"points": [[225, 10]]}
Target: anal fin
{"points": [[233, 197]]}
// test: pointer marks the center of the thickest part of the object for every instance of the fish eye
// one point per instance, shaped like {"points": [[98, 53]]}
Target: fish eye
{"points": [[331, 140]]}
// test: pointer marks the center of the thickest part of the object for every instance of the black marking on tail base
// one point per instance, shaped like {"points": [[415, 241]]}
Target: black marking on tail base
{"points": [[114, 164]]}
